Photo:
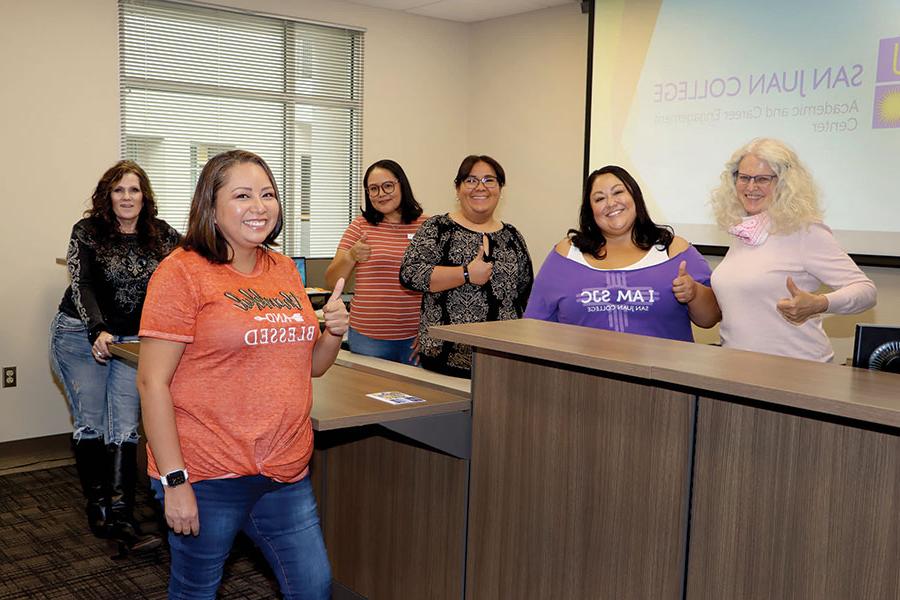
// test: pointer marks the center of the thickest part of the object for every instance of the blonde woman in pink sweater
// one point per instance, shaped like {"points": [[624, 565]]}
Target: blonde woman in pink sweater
{"points": [[781, 254]]}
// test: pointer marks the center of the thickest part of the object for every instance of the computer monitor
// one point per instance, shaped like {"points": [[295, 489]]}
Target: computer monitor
{"points": [[877, 347], [300, 262]]}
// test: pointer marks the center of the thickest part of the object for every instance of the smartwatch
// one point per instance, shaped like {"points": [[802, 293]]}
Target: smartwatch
{"points": [[174, 478], [466, 273]]}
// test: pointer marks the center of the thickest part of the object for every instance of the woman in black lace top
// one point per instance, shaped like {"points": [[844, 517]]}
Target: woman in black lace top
{"points": [[470, 266], [112, 253]]}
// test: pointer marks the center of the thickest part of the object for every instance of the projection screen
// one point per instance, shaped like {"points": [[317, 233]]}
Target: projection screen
{"points": [[678, 85]]}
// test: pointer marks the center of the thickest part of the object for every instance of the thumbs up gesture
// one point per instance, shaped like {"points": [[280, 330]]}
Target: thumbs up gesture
{"points": [[801, 305], [479, 269], [683, 286], [335, 314], [361, 251]]}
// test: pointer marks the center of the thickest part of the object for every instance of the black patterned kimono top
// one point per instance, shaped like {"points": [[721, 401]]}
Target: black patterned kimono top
{"points": [[109, 277], [443, 242]]}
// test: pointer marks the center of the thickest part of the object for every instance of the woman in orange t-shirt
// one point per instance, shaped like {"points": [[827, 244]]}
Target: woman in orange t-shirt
{"points": [[229, 342]]}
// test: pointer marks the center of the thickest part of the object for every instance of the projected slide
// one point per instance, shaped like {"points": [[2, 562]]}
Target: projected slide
{"points": [[678, 85]]}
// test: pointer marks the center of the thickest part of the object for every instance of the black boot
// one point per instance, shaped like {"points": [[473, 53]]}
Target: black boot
{"points": [[120, 519], [90, 461]]}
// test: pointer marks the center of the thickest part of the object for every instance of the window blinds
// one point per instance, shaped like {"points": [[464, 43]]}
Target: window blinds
{"points": [[196, 81]]}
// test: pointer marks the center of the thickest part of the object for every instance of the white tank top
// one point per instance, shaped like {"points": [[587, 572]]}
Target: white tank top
{"points": [[655, 255]]}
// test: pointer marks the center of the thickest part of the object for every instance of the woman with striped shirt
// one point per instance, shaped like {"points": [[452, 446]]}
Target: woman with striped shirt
{"points": [[384, 316]]}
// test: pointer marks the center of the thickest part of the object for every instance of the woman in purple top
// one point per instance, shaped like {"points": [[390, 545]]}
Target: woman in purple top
{"points": [[622, 272]]}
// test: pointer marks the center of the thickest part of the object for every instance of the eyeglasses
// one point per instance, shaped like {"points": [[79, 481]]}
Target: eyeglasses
{"points": [[385, 188], [471, 182], [759, 180]]}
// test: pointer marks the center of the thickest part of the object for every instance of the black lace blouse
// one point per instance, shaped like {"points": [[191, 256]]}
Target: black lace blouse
{"points": [[442, 241]]}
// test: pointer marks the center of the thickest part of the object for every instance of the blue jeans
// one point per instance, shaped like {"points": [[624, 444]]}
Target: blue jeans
{"points": [[395, 350], [103, 398], [280, 518]]}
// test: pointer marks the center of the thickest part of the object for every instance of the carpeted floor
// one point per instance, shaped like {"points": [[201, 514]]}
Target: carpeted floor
{"points": [[47, 551]]}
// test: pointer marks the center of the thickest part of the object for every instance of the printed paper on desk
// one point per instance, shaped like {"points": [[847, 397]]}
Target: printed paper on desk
{"points": [[395, 397]]}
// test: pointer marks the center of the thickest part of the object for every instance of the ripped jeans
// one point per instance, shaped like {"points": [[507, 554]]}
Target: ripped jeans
{"points": [[103, 398]]}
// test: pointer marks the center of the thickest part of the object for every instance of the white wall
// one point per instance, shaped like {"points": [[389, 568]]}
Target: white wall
{"points": [[435, 91], [527, 86], [58, 124]]}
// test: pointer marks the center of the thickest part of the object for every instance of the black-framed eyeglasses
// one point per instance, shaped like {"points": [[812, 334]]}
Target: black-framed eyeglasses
{"points": [[759, 180], [471, 182], [385, 188]]}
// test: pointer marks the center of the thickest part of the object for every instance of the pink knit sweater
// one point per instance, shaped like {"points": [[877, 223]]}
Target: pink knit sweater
{"points": [[752, 279]]}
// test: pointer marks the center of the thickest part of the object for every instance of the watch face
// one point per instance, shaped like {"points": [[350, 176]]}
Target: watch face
{"points": [[176, 478]]}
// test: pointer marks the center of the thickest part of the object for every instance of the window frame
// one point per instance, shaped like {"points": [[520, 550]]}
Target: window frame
{"points": [[319, 193]]}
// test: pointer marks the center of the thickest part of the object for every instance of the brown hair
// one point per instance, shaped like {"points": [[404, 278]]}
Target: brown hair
{"points": [[104, 217], [203, 236]]}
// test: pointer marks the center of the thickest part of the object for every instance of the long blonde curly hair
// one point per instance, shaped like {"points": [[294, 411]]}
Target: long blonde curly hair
{"points": [[795, 200]]}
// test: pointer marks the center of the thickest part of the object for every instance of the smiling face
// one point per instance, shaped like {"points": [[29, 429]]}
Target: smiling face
{"points": [[613, 206], [479, 201], [246, 207], [127, 201], [387, 204], [755, 197]]}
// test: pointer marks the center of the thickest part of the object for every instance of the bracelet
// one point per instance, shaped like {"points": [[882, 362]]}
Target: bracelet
{"points": [[466, 273]]}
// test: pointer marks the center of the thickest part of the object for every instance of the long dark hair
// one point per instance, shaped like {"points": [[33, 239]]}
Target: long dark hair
{"points": [[644, 233], [103, 217], [203, 237], [410, 209]]}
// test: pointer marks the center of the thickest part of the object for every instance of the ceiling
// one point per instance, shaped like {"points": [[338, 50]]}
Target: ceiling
{"points": [[466, 11]]}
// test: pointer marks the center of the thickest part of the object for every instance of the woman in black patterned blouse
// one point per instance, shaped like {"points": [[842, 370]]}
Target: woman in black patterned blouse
{"points": [[470, 266], [112, 253]]}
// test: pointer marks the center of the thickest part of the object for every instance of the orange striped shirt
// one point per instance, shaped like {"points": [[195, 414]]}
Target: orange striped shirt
{"points": [[381, 308]]}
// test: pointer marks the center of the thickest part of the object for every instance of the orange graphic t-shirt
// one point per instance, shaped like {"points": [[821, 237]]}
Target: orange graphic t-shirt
{"points": [[242, 390]]}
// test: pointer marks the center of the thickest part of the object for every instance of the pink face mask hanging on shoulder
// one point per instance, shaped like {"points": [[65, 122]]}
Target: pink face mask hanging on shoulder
{"points": [[752, 230]]}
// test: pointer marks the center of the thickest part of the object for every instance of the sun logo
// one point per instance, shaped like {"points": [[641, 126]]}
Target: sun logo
{"points": [[889, 107], [886, 111]]}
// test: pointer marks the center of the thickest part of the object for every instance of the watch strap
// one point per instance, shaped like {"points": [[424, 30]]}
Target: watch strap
{"points": [[174, 478], [466, 273]]}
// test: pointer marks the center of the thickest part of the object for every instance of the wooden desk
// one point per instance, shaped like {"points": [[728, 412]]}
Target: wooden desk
{"points": [[608, 465], [339, 396], [391, 481]]}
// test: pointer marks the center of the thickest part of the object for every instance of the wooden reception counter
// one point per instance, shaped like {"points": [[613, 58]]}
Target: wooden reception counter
{"points": [[392, 481], [607, 465]]}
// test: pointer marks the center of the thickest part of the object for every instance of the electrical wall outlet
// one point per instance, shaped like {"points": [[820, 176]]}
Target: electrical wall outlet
{"points": [[9, 377]]}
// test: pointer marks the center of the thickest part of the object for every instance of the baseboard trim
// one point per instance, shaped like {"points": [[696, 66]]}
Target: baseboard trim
{"points": [[36, 453]]}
